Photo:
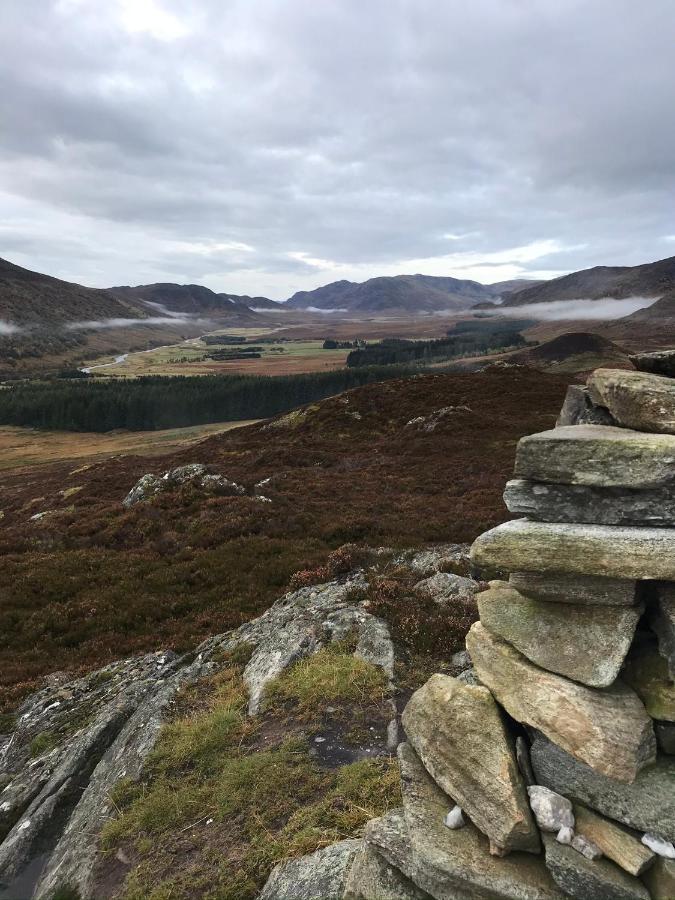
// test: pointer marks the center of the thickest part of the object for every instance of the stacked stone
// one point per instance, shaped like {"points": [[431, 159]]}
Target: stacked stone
{"points": [[549, 771]]}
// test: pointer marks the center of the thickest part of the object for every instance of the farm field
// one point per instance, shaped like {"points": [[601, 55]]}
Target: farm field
{"points": [[192, 357], [27, 447]]}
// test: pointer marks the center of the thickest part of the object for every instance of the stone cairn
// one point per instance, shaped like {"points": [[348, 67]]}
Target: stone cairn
{"points": [[547, 770]]}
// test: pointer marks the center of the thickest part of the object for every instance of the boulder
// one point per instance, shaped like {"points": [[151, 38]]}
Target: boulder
{"points": [[522, 546], [660, 362], [598, 456], [660, 879], [608, 730], [646, 671], [617, 843], [322, 874], [457, 865], [662, 621], [586, 879], [579, 409], [552, 811], [444, 587], [635, 399], [585, 643], [648, 804], [458, 733], [578, 589], [372, 878], [149, 486], [592, 505]]}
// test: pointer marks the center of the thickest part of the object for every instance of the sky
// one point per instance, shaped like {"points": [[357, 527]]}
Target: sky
{"points": [[267, 146]]}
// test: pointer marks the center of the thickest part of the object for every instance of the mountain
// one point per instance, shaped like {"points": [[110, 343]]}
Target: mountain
{"points": [[647, 280], [398, 293], [29, 298], [191, 299], [578, 351]]}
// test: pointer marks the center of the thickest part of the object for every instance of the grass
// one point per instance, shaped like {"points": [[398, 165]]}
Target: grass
{"points": [[97, 582], [32, 447], [213, 813]]}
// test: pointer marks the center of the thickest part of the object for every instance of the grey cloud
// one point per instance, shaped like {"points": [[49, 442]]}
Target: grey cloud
{"points": [[355, 133]]}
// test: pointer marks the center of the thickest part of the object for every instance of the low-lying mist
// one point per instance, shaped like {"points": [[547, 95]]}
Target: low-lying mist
{"points": [[556, 310], [8, 327], [99, 324]]}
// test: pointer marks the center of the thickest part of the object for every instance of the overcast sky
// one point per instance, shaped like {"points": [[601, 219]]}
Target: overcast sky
{"points": [[268, 146]]}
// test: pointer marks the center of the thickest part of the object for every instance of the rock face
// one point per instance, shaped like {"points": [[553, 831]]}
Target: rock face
{"points": [[597, 456], [661, 362], [457, 731], [585, 643], [457, 864], [592, 505], [577, 589], [663, 623], [608, 730], [579, 409], [635, 399], [322, 874], [197, 474], [648, 804], [372, 878], [587, 879], [647, 673], [616, 843], [522, 546]]}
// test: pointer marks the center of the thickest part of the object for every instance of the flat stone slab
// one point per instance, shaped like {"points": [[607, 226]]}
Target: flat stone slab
{"points": [[636, 399], [457, 731], [586, 879], [523, 546], [618, 844], [585, 643], [647, 673], [457, 865], [575, 589], [597, 455], [648, 804], [321, 874], [660, 362], [607, 729], [654, 507], [373, 878]]}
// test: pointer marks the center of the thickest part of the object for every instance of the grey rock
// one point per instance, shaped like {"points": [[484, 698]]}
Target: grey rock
{"points": [[455, 818], [662, 621], [523, 760], [444, 587], [455, 865], [598, 456], [322, 874], [635, 399], [579, 409], [660, 879], [648, 804], [429, 561], [375, 645], [646, 671], [665, 736], [588, 504], [584, 879], [150, 485], [458, 733], [659, 846], [372, 878], [585, 643], [587, 848], [578, 589], [621, 552], [660, 362], [607, 729], [468, 676], [461, 659], [552, 811], [565, 835]]}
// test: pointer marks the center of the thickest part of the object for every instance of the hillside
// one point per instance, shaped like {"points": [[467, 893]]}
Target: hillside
{"points": [[194, 299], [578, 351], [403, 293], [648, 280], [86, 580]]}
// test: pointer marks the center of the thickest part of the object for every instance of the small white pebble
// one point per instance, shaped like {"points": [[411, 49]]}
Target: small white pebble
{"points": [[659, 845], [24, 825], [209, 821], [319, 740], [586, 848], [565, 835], [455, 818]]}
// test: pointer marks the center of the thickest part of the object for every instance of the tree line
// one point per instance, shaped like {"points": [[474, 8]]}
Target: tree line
{"points": [[155, 402], [396, 351]]}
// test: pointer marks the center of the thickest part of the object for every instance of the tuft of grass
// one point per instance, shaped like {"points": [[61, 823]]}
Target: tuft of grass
{"points": [[43, 743], [328, 676]]}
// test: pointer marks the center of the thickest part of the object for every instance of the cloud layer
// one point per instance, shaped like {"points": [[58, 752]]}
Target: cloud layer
{"points": [[268, 147]]}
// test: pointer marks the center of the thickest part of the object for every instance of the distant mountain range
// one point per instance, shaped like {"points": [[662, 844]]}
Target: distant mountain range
{"points": [[619, 282], [401, 293]]}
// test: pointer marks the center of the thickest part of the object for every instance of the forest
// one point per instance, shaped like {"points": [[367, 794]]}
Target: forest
{"points": [[157, 402], [465, 339]]}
